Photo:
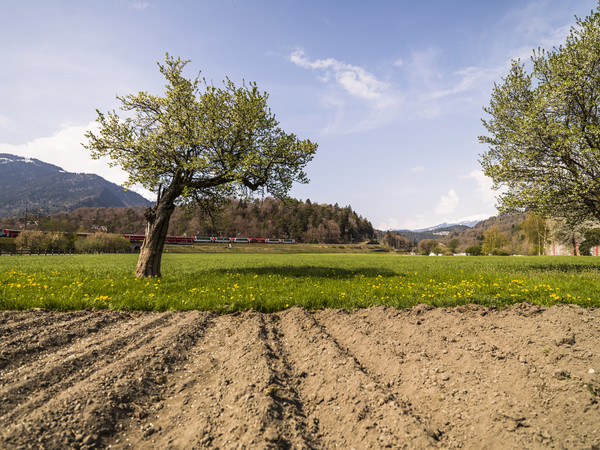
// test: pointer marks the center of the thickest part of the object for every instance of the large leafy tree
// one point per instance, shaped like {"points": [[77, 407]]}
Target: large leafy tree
{"points": [[197, 143], [494, 240], [536, 232], [544, 130]]}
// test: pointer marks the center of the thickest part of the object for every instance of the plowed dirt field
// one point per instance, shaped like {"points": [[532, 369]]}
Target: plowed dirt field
{"points": [[468, 377]]}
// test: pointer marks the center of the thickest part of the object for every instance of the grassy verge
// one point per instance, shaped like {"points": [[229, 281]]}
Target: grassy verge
{"points": [[271, 282]]}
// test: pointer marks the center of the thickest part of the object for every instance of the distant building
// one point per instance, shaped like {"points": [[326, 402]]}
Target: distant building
{"points": [[556, 249]]}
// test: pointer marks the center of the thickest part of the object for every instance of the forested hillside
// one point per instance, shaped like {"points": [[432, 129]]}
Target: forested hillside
{"points": [[304, 221], [510, 225]]}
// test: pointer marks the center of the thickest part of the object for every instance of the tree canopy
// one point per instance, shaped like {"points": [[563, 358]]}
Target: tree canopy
{"points": [[197, 143], [544, 130], [494, 241]]}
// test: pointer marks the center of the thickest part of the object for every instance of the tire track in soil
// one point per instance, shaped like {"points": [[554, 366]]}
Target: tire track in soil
{"points": [[233, 391], [91, 385], [348, 407]]}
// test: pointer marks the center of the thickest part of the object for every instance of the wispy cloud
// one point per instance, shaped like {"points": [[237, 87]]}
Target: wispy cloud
{"points": [[140, 5], [359, 100], [421, 67], [355, 80], [536, 23], [434, 90], [469, 79], [423, 83]]}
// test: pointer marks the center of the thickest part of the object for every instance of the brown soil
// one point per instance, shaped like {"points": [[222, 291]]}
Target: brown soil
{"points": [[470, 377]]}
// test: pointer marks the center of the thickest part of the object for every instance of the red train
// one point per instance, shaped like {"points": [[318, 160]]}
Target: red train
{"points": [[137, 238], [214, 239], [9, 233]]}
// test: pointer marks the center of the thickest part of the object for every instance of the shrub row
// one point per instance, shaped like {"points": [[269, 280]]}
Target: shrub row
{"points": [[39, 242]]}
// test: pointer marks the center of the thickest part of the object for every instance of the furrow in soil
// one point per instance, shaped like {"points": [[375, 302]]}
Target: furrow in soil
{"points": [[64, 366], [21, 341], [467, 377], [78, 395], [231, 392], [465, 371], [345, 405]]}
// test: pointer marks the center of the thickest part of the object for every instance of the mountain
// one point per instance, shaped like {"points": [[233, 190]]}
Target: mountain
{"points": [[436, 232], [445, 226], [44, 188]]}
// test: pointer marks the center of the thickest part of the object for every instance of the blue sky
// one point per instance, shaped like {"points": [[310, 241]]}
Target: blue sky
{"points": [[392, 91]]}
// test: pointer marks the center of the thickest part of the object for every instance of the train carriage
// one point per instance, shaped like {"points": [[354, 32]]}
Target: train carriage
{"points": [[5, 232], [138, 238]]}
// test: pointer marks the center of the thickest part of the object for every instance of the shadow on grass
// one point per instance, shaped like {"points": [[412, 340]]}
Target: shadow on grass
{"points": [[311, 271], [566, 267]]}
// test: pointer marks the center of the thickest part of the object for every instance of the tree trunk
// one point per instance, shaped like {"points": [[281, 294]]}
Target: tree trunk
{"points": [[157, 225]]}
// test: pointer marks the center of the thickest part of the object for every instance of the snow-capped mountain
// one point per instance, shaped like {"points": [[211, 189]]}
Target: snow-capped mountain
{"points": [[45, 188]]}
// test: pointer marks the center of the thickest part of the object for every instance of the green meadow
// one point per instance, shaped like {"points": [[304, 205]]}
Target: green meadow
{"points": [[268, 282]]}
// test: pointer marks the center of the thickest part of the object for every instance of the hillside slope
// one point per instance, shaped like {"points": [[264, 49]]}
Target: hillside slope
{"points": [[45, 188]]}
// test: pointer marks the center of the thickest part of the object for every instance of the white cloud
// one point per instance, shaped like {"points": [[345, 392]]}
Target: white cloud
{"points": [[355, 80], [484, 187], [140, 5], [435, 91], [64, 149], [447, 203], [356, 99], [417, 169]]}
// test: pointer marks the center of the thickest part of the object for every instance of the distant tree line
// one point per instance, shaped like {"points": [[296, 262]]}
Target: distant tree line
{"points": [[303, 221], [527, 234], [506, 234]]}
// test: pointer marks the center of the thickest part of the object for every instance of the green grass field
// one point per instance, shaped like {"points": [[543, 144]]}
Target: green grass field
{"points": [[269, 282]]}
